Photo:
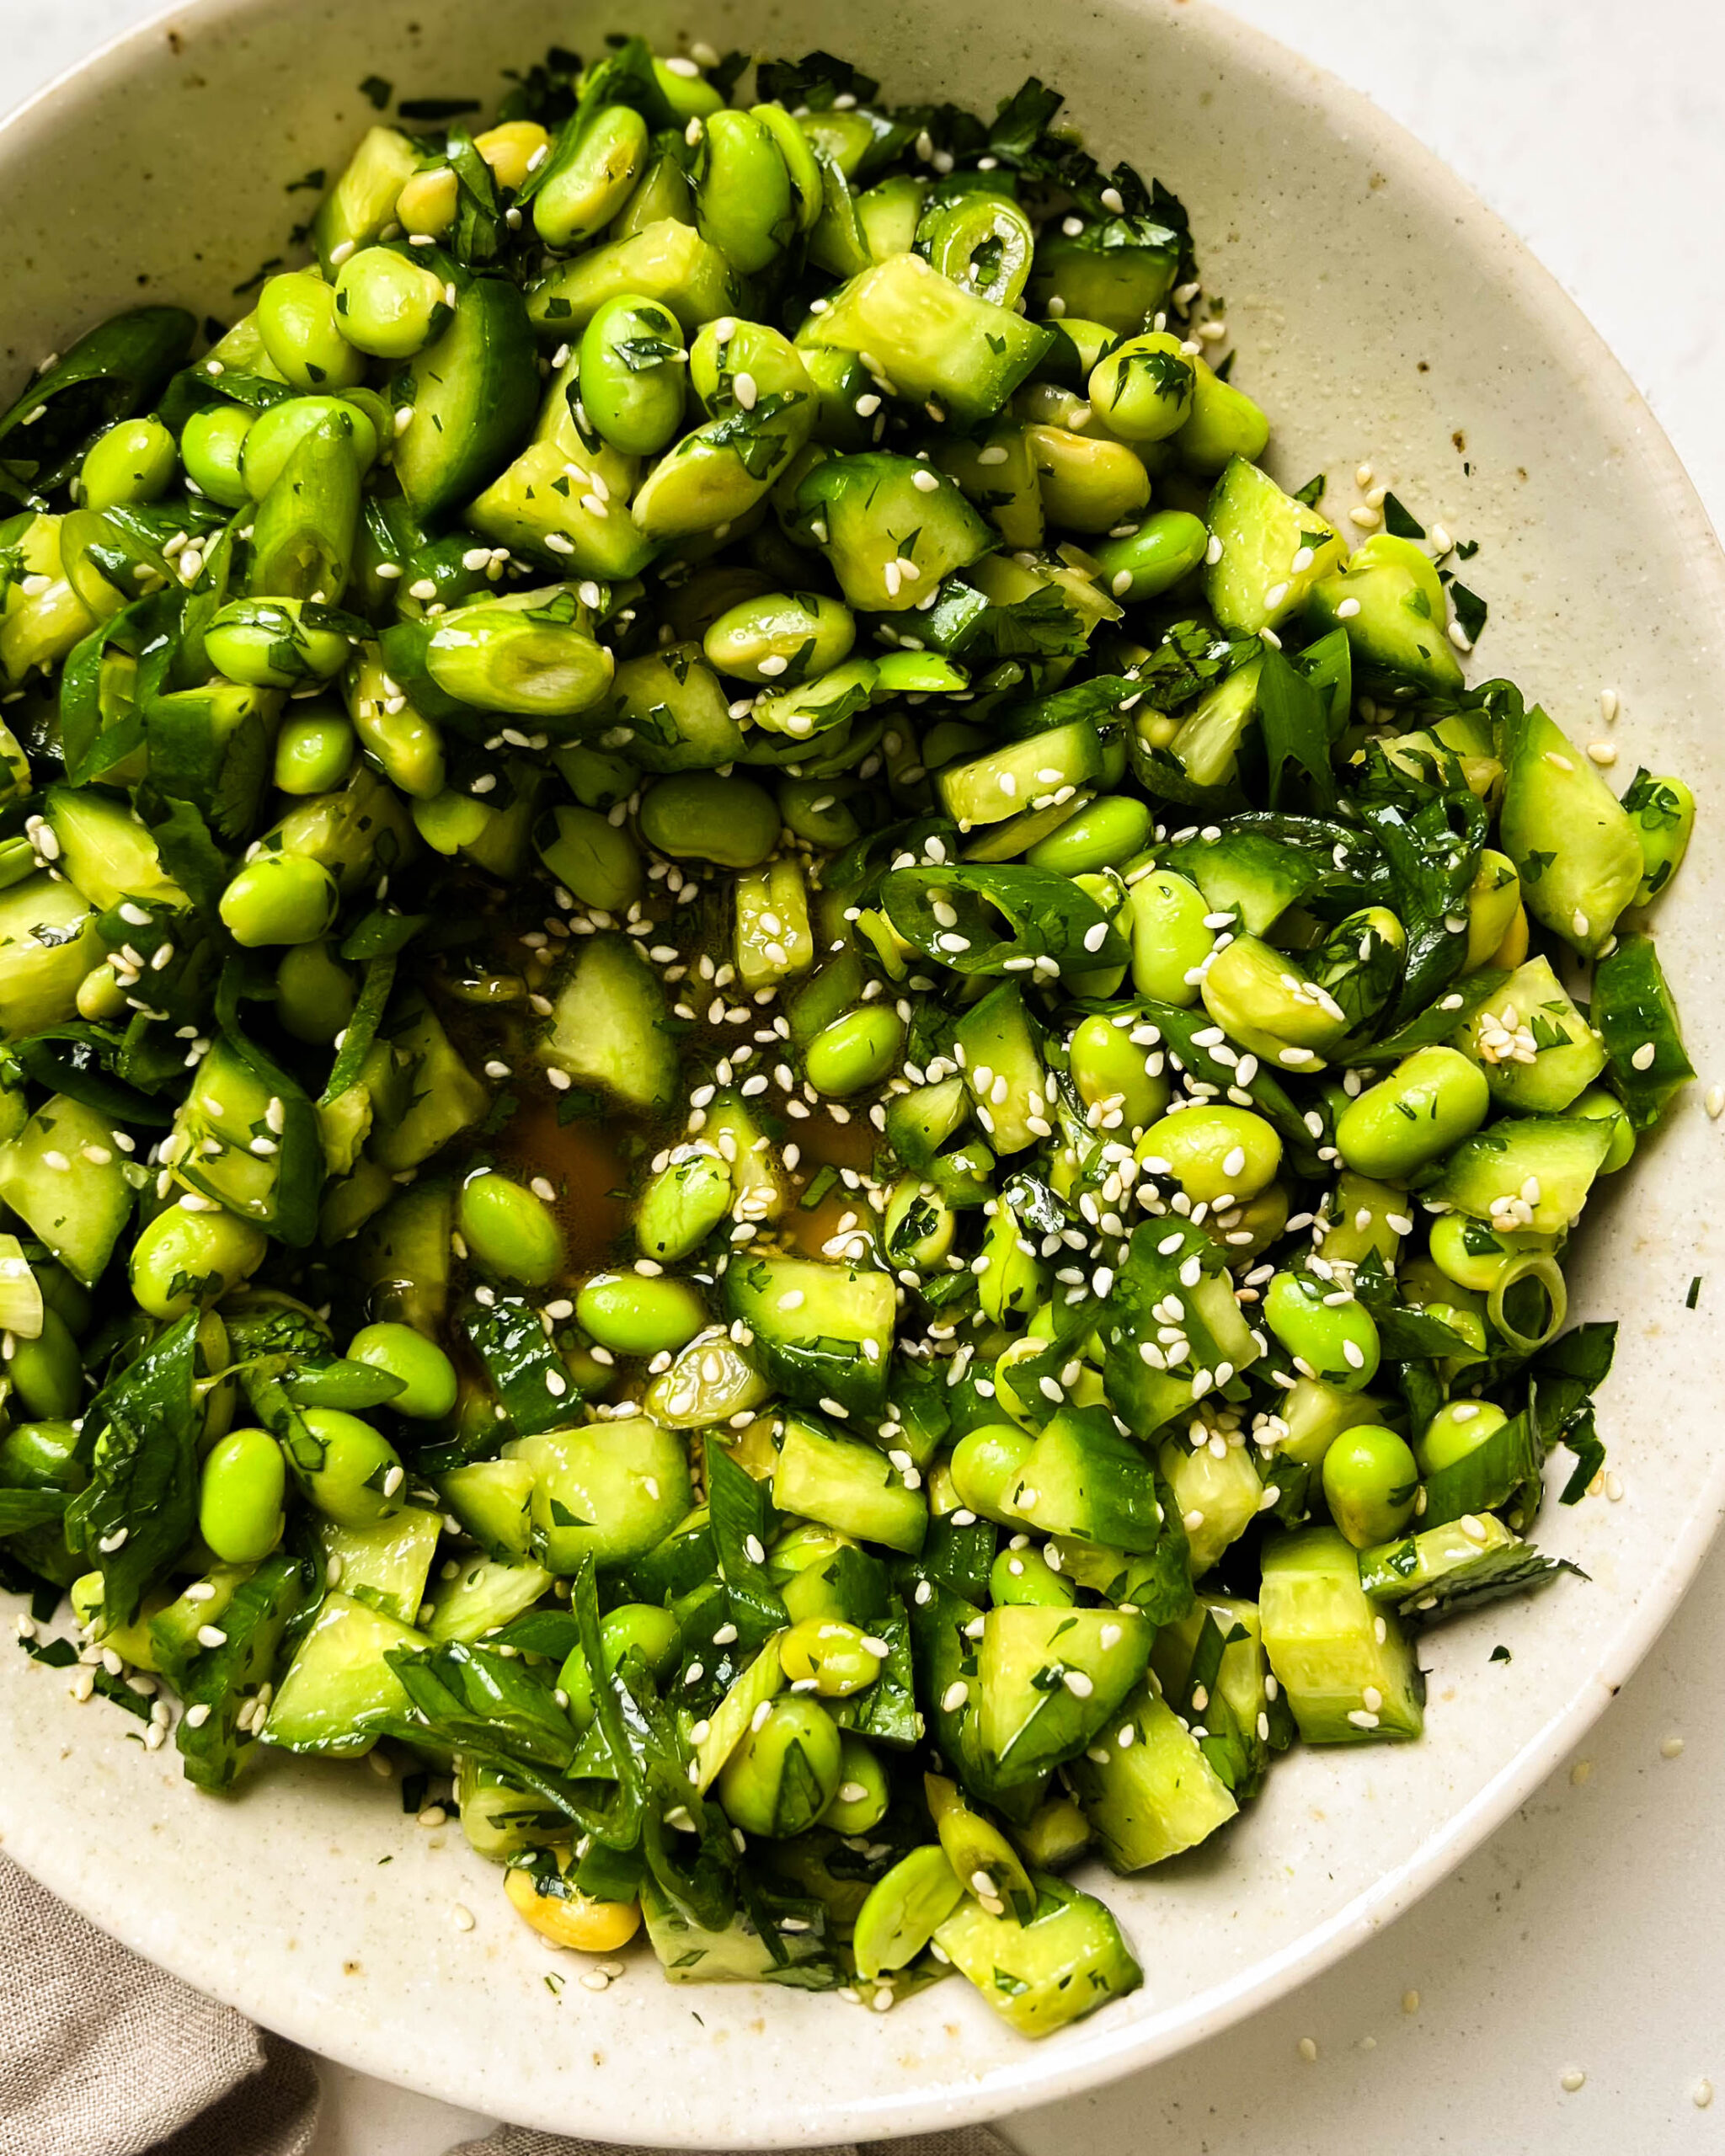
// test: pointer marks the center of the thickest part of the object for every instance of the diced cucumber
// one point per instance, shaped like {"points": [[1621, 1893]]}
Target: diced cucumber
{"points": [[63, 1174], [611, 1489], [774, 940], [340, 1692], [444, 1097], [500, 1819], [1001, 1042], [608, 1027], [1084, 1479], [493, 1500], [1021, 775], [1217, 1499], [845, 1484], [1068, 1961], [362, 201], [726, 1726], [227, 1679], [1253, 583], [876, 519], [822, 1333], [487, 1591], [1245, 872], [1574, 847], [48, 942], [739, 1955], [1396, 626], [1048, 1678], [173, 1628], [1488, 1174], [1056, 1835], [667, 261], [1150, 1798], [402, 1256], [1208, 742], [1535, 1010], [919, 1123], [475, 394], [105, 850], [1349, 1672], [535, 502], [1465, 1561], [930, 337], [385, 1566]]}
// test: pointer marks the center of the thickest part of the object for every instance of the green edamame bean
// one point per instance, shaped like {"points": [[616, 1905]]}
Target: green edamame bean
{"points": [[819, 810], [685, 90], [508, 1230], [429, 1383], [639, 1313], [743, 200], [1429, 1102], [1213, 1151], [301, 333], [1170, 942], [62, 1292], [1112, 1076], [699, 816], [388, 304], [633, 367], [985, 1466], [1025, 1575], [240, 1492], [592, 857], [783, 1775], [314, 993], [1107, 833], [182, 1259], [1663, 813], [830, 1655], [641, 1628], [919, 1225], [1360, 1216], [212, 444], [134, 462], [905, 1910], [596, 778], [1475, 1256], [279, 898], [275, 434], [684, 1204], [1224, 422], [1371, 1483], [352, 1474], [269, 644], [47, 1372], [856, 1051], [1142, 389], [808, 188], [863, 1795], [1599, 1105], [1087, 483], [1266, 1000], [1151, 560], [314, 752], [41, 1456], [1458, 1428], [1493, 899], [801, 634], [1335, 1341], [591, 180]]}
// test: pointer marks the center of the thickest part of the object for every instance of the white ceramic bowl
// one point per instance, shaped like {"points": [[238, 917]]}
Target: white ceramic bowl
{"points": [[1380, 314]]}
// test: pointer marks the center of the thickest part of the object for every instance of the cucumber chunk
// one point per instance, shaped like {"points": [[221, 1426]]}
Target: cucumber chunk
{"points": [[823, 1334], [1150, 1798], [608, 1028], [339, 1692], [1349, 1672], [1069, 1960]]}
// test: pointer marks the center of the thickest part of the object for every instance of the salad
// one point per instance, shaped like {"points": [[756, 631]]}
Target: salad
{"points": [[778, 1078]]}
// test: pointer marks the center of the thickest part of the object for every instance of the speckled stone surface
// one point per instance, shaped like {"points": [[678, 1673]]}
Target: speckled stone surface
{"points": [[1598, 571]]}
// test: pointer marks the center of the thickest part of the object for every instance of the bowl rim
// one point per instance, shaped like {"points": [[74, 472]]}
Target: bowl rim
{"points": [[1089, 2055]]}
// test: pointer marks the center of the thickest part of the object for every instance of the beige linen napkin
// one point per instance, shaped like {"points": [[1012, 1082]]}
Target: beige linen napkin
{"points": [[102, 2055]]}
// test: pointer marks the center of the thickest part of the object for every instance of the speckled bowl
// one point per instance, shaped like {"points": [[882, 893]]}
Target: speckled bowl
{"points": [[1380, 314]]}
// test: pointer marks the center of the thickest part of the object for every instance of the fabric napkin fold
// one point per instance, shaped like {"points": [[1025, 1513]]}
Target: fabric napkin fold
{"points": [[102, 2054]]}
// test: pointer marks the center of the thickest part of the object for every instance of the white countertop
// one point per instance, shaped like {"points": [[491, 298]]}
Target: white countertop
{"points": [[1584, 1940]]}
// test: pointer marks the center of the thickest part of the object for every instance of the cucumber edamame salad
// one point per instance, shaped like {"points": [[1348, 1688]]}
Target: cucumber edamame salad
{"points": [[780, 1081]]}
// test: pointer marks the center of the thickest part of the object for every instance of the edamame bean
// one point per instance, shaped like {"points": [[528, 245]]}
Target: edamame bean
{"points": [[388, 304], [1371, 1483], [513, 150], [269, 643], [820, 811], [1335, 1341], [301, 333], [427, 205], [62, 1292], [182, 1259], [1458, 1428], [47, 1372], [633, 368], [1361, 1216], [743, 200], [985, 1466], [352, 1474], [1142, 389], [639, 1313], [1213, 1152], [684, 1204], [863, 1795], [279, 898], [508, 1230], [905, 1910], [1663, 813], [783, 1775], [1170, 941], [699, 816], [1494, 898], [240, 1492], [1105, 834], [211, 443], [782, 638], [828, 1655], [856, 1051], [1112, 1076], [559, 1912], [275, 434], [1429, 1102], [640, 1628], [1151, 560], [588, 854], [1087, 483], [588, 182], [134, 462], [1025, 1575], [314, 993], [314, 752], [1265, 999], [1224, 422], [428, 1378]]}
